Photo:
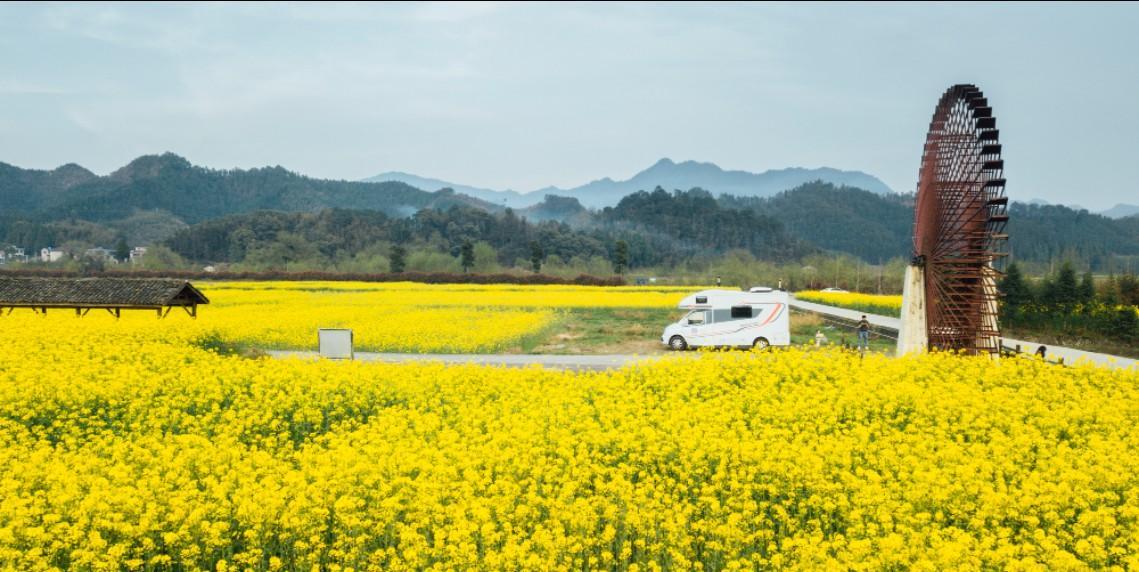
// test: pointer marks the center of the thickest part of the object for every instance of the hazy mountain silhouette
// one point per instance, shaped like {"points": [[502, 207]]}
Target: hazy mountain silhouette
{"points": [[1121, 210], [666, 174]]}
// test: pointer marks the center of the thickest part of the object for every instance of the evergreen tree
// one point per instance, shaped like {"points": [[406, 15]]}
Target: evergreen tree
{"points": [[397, 262], [1066, 291], [1129, 290], [467, 256], [122, 251], [620, 256], [1109, 294], [536, 256], [1016, 292], [90, 265], [1125, 325], [1087, 289]]}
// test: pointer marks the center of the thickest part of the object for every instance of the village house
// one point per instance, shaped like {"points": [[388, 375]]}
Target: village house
{"points": [[51, 254], [103, 254], [10, 253]]}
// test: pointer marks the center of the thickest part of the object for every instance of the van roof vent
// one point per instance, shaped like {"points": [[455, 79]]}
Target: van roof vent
{"points": [[760, 289]]}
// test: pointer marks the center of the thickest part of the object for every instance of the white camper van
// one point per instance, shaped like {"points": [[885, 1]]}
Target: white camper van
{"points": [[758, 318]]}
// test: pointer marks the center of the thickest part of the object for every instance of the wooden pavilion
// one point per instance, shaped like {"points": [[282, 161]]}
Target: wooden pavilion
{"points": [[111, 294]]}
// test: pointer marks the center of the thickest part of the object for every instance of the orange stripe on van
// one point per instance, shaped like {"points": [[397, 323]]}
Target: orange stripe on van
{"points": [[773, 315]]}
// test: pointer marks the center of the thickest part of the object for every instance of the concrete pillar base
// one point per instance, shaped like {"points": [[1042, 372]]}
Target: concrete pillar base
{"points": [[913, 337]]}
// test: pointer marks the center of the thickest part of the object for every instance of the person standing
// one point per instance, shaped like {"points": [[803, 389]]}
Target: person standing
{"points": [[717, 281], [863, 334]]}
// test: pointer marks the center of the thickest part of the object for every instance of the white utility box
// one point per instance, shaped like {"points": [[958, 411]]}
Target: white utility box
{"points": [[335, 343]]}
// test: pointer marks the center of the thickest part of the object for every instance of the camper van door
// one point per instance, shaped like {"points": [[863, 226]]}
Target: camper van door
{"points": [[697, 322]]}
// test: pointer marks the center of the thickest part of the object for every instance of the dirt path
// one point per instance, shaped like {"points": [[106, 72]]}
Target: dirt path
{"points": [[570, 362]]}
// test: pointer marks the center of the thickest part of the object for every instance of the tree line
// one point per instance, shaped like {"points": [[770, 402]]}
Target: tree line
{"points": [[645, 229], [1068, 305]]}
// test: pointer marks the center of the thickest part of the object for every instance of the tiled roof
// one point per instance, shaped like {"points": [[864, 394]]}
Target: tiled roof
{"points": [[98, 292]]}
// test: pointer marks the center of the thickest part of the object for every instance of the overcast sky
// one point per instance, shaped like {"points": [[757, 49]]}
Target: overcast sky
{"points": [[524, 96]]}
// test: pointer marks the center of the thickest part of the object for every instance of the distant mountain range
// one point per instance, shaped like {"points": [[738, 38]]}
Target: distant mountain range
{"points": [[666, 174], [658, 227], [191, 193], [1121, 210], [157, 196]]}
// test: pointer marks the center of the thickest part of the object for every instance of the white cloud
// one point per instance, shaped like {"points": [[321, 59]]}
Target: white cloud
{"points": [[171, 30], [521, 96]]}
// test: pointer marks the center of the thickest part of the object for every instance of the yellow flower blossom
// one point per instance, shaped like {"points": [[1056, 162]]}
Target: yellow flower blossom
{"points": [[131, 444], [887, 305]]}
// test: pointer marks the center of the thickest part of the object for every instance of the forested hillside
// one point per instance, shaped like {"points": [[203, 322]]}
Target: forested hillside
{"points": [[659, 228], [878, 227], [666, 228], [193, 194], [23, 191], [1051, 233], [268, 238], [869, 225], [271, 214]]}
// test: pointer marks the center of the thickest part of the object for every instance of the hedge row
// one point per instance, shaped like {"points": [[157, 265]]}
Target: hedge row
{"points": [[424, 277]]}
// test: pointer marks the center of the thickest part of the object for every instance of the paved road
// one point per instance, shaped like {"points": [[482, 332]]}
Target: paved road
{"points": [[885, 322], [613, 361], [571, 362], [1070, 355]]}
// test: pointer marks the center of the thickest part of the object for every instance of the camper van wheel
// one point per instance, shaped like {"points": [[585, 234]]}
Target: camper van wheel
{"points": [[760, 344], [677, 343]]}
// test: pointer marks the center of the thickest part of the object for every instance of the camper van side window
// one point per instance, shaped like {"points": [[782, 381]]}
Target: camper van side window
{"points": [[741, 312], [698, 318]]}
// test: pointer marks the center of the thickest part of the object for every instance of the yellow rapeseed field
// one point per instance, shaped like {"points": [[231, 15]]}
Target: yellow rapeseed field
{"points": [[886, 305], [486, 295], [125, 445], [402, 317]]}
